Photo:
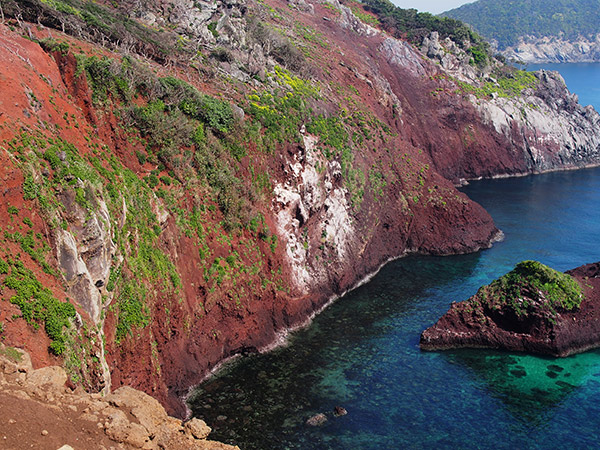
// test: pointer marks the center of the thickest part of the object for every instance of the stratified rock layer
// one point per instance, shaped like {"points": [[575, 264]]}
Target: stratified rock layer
{"points": [[567, 332]]}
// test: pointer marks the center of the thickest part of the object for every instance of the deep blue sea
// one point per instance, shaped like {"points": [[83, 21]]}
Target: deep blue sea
{"points": [[362, 352]]}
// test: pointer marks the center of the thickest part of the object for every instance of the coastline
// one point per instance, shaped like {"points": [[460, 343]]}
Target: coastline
{"points": [[282, 336]]}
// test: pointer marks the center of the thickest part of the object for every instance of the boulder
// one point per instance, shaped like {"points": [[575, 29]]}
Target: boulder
{"points": [[54, 376], [339, 411], [144, 408], [197, 428], [317, 420]]}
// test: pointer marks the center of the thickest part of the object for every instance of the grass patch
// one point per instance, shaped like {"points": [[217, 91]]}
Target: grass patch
{"points": [[38, 306], [509, 84], [11, 354], [531, 285]]}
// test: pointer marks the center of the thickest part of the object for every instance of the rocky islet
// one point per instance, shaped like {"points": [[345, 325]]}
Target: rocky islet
{"points": [[515, 314]]}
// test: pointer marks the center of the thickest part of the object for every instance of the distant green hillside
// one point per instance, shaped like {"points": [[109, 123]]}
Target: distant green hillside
{"points": [[506, 20]]}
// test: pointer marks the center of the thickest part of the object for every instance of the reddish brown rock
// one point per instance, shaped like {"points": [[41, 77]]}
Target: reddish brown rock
{"points": [[540, 331], [434, 141]]}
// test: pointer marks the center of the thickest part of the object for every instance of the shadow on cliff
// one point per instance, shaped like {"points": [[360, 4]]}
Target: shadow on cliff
{"points": [[530, 387], [264, 400]]}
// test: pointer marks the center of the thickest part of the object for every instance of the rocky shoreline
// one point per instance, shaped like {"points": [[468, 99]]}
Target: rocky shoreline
{"points": [[525, 322], [324, 223], [535, 50]]}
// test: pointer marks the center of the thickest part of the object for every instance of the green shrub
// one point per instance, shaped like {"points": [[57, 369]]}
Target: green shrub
{"points": [[212, 27], [51, 156], [132, 311], [480, 54], [30, 188], [38, 305], [199, 136], [531, 281], [104, 78], [152, 181], [115, 273], [51, 45], [4, 267], [331, 133], [216, 113], [141, 157]]}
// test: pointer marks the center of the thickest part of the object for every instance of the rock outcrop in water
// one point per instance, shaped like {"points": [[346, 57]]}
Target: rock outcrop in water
{"points": [[532, 309]]}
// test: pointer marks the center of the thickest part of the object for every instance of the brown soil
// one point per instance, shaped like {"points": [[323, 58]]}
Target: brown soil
{"points": [[37, 411], [23, 423]]}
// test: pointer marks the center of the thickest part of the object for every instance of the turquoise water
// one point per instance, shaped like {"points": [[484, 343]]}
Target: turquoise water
{"points": [[362, 352], [582, 79]]}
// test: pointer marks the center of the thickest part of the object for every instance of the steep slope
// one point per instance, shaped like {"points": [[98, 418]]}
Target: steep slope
{"points": [[197, 203], [534, 31]]}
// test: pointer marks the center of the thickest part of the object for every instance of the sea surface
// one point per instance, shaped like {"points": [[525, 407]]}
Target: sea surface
{"points": [[581, 78], [362, 352]]}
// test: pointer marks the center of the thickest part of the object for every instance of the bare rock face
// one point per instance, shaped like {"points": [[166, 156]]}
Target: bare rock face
{"points": [[527, 322], [449, 56], [84, 252], [549, 125], [400, 53], [541, 128]]}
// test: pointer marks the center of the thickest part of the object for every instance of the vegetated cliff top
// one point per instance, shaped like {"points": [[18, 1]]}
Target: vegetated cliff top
{"points": [[505, 21], [154, 29]]}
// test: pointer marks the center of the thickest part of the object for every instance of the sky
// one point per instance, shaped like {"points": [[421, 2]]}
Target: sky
{"points": [[432, 6]]}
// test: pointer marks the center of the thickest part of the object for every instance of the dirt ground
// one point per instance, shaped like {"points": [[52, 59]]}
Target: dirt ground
{"points": [[30, 424]]}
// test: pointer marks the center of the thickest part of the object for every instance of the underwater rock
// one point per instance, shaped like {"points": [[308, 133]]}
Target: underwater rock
{"points": [[317, 420], [339, 411]]}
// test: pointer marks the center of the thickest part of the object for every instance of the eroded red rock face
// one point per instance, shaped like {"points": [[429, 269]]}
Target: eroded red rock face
{"points": [[538, 332], [434, 141]]}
